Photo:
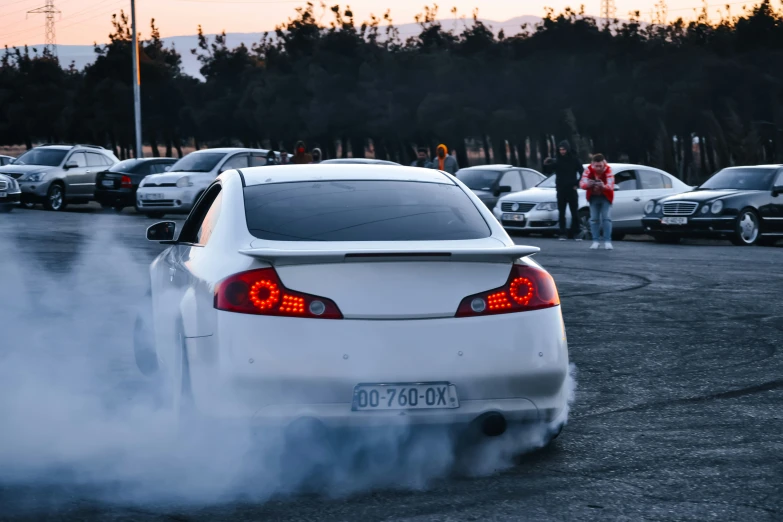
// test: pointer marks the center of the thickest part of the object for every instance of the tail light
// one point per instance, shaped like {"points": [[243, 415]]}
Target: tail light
{"points": [[261, 292], [125, 182], [527, 288]]}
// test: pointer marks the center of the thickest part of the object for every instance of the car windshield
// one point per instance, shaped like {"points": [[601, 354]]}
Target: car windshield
{"points": [[740, 179], [548, 182], [45, 157], [124, 166], [198, 162], [478, 179], [362, 211]]}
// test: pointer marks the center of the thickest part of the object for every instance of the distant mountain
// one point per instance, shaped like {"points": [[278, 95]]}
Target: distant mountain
{"points": [[81, 55]]}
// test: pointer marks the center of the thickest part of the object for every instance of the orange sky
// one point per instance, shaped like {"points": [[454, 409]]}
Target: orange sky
{"points": [[87, 21]]}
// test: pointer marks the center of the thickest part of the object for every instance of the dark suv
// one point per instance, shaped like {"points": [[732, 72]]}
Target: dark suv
{"points": [[57, 175]]}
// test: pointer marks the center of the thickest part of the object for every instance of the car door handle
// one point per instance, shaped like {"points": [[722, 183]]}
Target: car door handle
{"points": [[637, 199]]}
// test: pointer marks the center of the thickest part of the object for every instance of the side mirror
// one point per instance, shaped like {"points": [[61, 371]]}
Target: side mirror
{"points": [[616, 188], [71, 165], [502, 189], [167, 168], [163, 232], [777, 189]]}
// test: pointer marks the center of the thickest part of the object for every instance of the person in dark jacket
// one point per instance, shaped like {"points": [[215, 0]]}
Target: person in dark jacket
{"points": [[422, 161], [568, 171]]}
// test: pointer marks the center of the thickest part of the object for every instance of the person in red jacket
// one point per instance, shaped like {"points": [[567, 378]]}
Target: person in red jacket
{"points": [[598, 182]]}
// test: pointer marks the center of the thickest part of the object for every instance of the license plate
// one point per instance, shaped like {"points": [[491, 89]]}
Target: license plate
{"points": [[3, 194], [152, 196], [675, 221], [405, 396], [514, 217], [107, 182]]}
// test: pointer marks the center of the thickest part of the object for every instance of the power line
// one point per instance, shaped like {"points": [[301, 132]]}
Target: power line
{"points": [[50, 44], [608, 10]]}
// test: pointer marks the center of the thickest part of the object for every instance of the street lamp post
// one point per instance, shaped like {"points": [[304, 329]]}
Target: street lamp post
{"points": [[136, 81]]}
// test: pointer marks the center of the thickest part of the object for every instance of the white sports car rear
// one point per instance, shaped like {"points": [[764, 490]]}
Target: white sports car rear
{"points": [[353, 296]]}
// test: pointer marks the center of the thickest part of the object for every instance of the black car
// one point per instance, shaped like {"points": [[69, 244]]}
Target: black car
{"points": [[742, 204], [116, 187]]}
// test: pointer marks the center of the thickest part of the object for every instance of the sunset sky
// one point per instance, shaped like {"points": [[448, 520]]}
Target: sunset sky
{"points": [[88, 21]]}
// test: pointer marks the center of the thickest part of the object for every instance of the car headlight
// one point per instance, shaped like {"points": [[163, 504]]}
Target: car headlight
{"points": [[184, 182], [716, 207], [649, 207], [35, 176], [549, 205]]}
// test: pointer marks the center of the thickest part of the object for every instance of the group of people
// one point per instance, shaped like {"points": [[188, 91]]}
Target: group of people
{"points": [[598, 182], [300, 157], [442, 160]]}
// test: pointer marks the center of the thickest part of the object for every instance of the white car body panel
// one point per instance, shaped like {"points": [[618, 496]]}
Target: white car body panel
{"points": [[398, 326]]}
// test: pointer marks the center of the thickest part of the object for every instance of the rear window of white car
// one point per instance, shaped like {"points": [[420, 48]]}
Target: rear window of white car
{"points": [[362, 211]]}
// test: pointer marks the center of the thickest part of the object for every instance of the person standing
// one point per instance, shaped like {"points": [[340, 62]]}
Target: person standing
{"points": [[421, 161], [316, 154], [301, 156], [443, 161], [568, 171], [598, 181]]}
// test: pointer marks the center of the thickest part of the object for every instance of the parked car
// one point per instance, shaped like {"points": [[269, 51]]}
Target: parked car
{"points": [[535, 210], [6, 160], [262, 310], [176, 191], [741, 204], [489, 182], [10, 194], [358, 161], [116, 187], [58, 175]]}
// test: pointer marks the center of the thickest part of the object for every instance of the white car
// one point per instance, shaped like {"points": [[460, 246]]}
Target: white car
{"points": [[176, 191], [535, 210], [353, 295]]}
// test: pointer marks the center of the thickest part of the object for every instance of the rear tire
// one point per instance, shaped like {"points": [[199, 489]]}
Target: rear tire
{"points": [[666, 239], [55, 198]]}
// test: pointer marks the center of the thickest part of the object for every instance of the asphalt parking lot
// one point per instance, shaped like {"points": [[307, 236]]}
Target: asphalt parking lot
{"points": [[678, 412]]}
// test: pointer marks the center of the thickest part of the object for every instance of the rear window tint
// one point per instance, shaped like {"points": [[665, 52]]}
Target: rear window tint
{"points": [[362, 211]]}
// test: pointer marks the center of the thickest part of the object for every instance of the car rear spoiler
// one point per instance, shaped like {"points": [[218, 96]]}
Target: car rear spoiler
{"points": [[502, 254]]}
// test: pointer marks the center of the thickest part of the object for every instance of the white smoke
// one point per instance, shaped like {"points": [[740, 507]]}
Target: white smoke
{"points": [[75, 410]]}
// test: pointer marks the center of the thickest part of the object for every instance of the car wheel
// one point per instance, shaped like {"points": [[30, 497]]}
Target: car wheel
{"points": [[746, 228], [55, 198], [666, 239], [584, 224]]}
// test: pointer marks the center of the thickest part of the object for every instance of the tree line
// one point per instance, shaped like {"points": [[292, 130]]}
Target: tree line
{"points": [[687, 97]]}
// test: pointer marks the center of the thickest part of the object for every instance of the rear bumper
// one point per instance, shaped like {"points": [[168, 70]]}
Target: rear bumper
{"points": [[124, 197], [696, 227], [276, 370]]}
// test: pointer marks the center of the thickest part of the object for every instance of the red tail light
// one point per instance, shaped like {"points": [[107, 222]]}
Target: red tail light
{"points": [[527, 288], [126, 182], [261, 292]]}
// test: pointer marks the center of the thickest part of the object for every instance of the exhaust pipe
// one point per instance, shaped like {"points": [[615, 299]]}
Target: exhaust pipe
{"points": [[493, 425]]}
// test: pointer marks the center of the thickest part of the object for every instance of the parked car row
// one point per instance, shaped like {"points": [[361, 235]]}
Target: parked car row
{"points": [[59, 175], [742, 204]]}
